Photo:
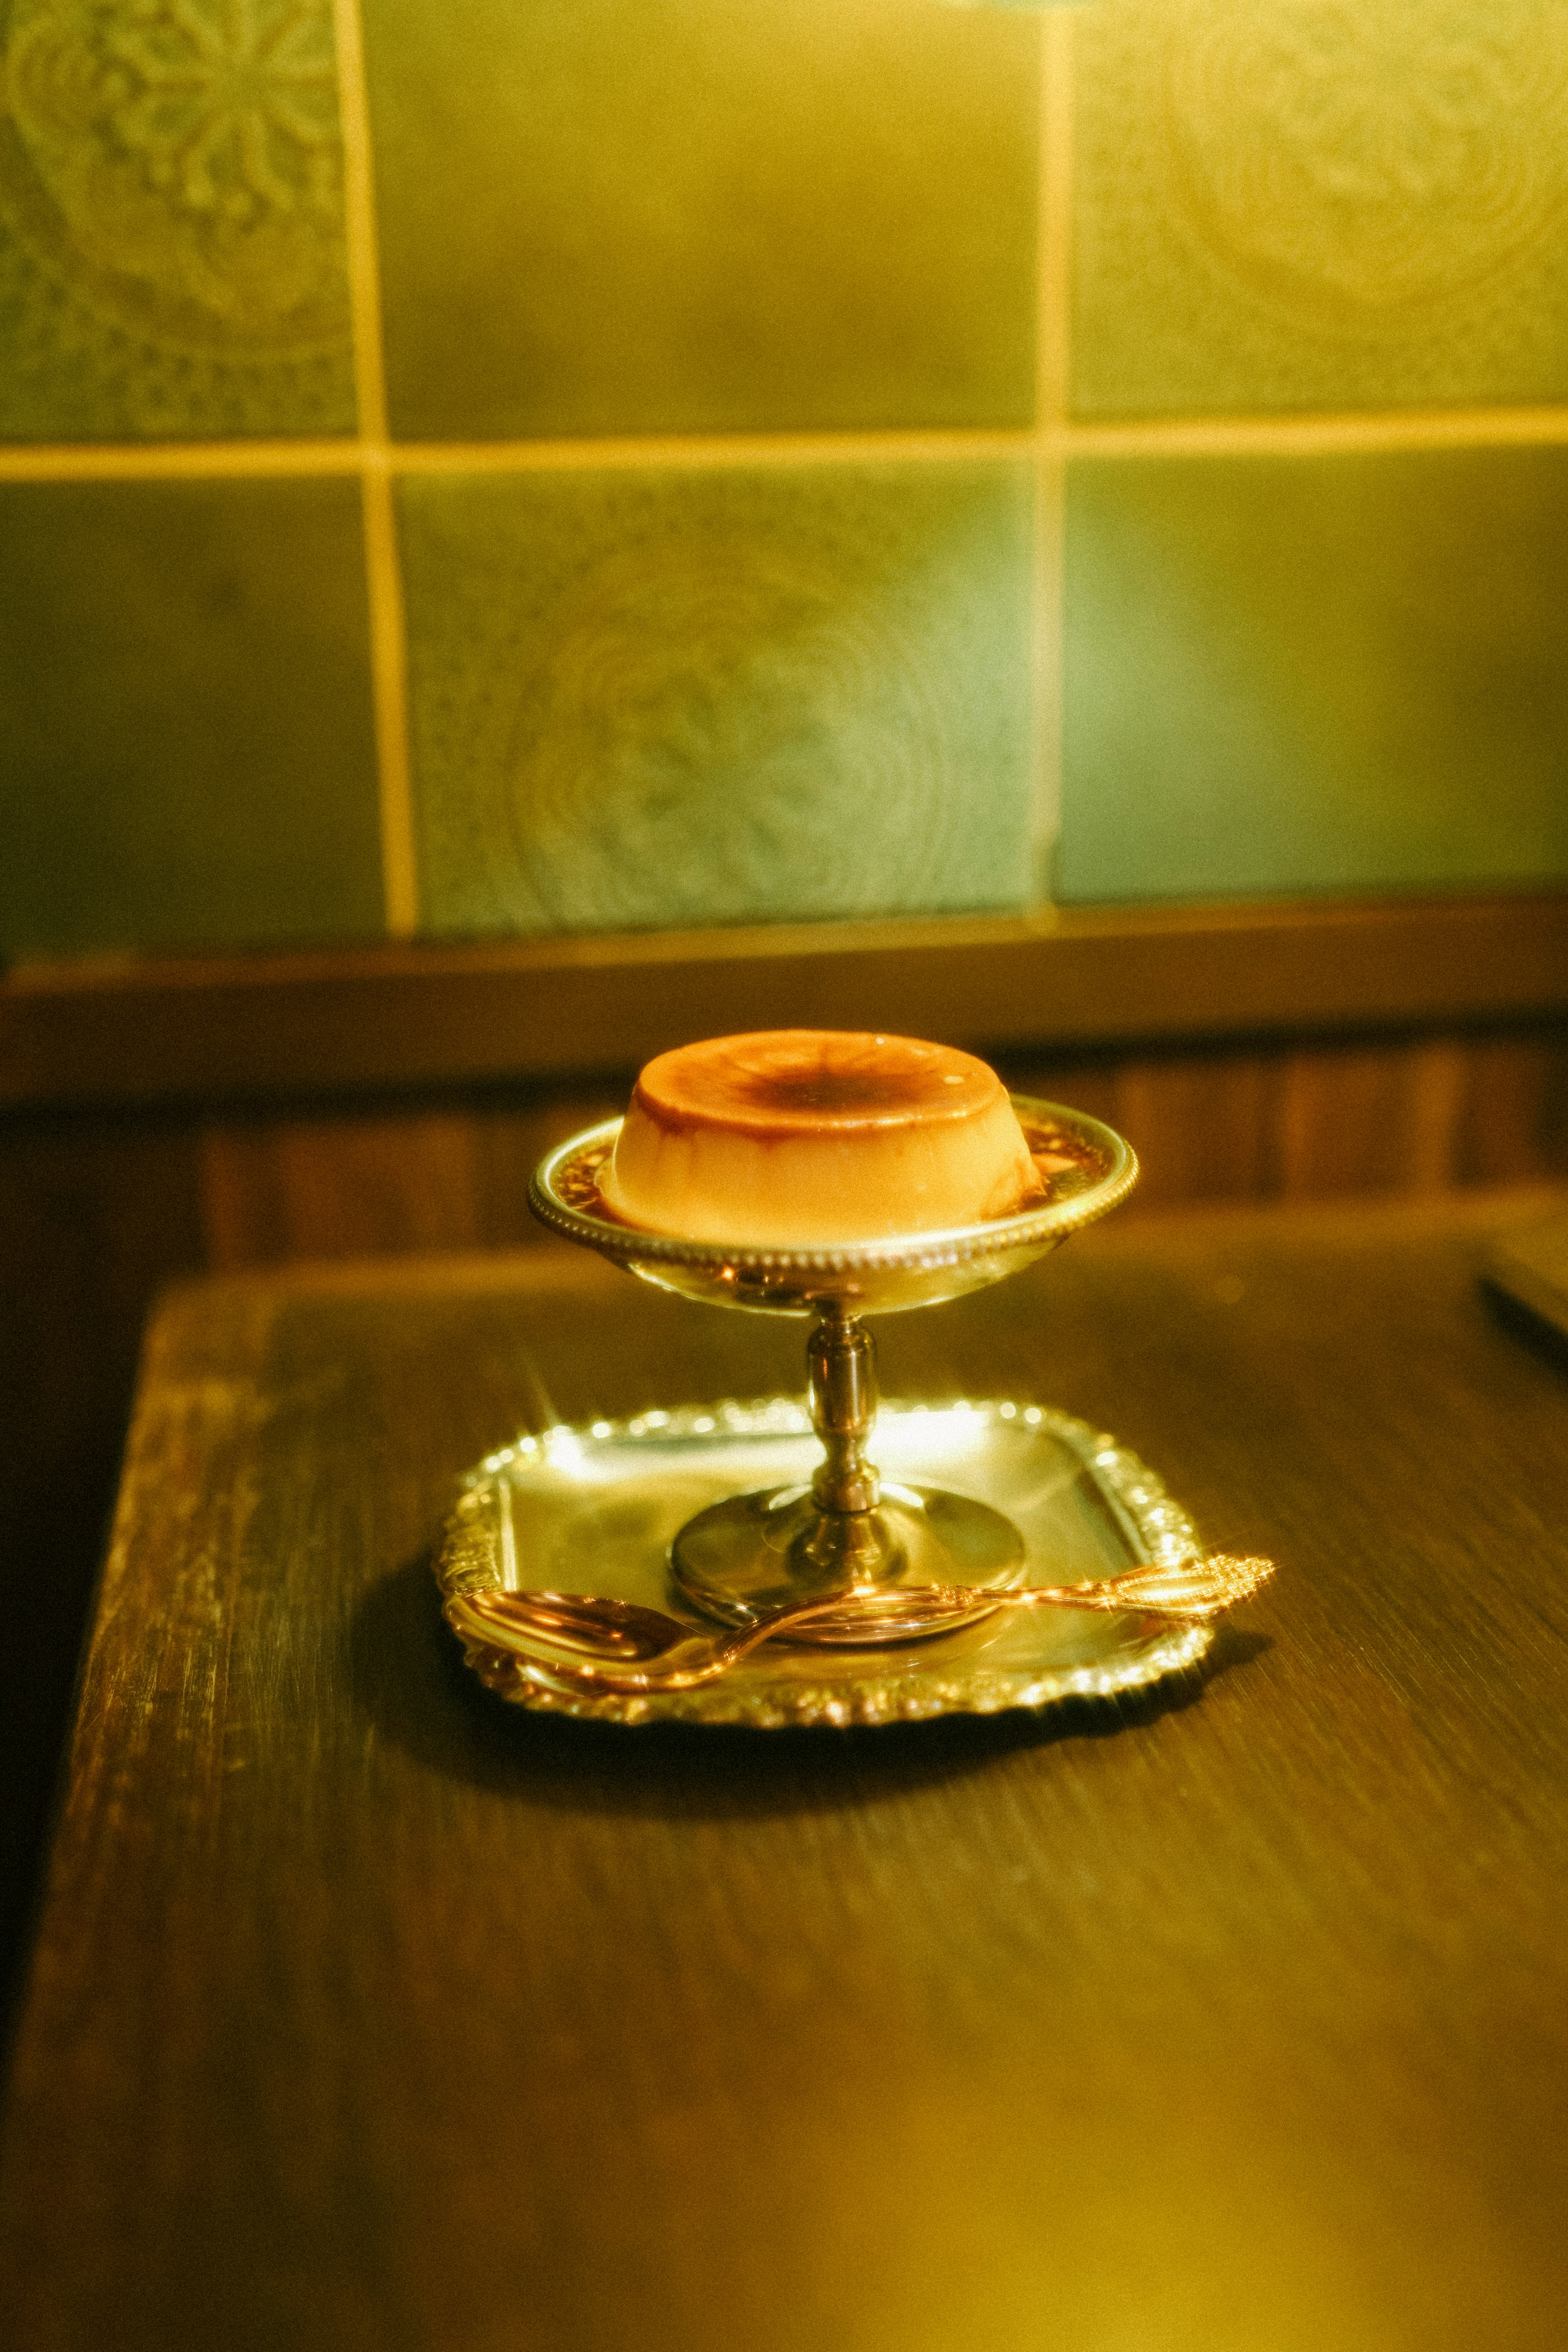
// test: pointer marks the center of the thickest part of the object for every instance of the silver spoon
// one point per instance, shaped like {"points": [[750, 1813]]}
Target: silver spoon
{"points": [[619, 1648]]}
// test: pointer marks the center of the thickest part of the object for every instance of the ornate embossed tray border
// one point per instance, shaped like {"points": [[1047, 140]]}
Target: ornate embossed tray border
{"points": [[950, 1674]]}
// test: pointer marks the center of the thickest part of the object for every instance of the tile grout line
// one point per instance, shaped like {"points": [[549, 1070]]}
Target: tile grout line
{"points": [[389, 690], [1303, 435], [1307, 436], [887, 445], [182, 461], [1054, 266], [384, 581], [1053, 299]]}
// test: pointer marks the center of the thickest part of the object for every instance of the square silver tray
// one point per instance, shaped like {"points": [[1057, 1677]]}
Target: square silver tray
{"points": [[594, 1508]]}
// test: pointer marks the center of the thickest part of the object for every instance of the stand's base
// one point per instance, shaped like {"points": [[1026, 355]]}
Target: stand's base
{"points": [[754, 1554]]}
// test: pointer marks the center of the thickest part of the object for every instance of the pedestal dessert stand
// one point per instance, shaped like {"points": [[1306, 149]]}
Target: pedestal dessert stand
{"points": [[755, 1553], [982, 1494]]}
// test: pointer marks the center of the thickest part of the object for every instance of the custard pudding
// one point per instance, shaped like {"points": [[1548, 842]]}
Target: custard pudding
{"points": [[796, 1137]]}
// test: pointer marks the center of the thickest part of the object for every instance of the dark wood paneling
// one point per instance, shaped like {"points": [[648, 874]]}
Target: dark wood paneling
{"points": [[1369, 1119], [1206, 1125], [446, 1015], [1514, 1124], [309, 1184], [1405, 1115]]}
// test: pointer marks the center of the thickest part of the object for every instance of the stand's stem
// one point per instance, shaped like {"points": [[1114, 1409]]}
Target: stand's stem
{"points": [[841, 1369], [743, 1558]]}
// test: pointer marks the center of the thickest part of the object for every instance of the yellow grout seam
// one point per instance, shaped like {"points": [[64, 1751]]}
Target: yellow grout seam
{"points": [[1301, 435], [1053, 361], [892, 447], [1054, 228], [389, 688], [185, 461], [384, 576], [1307, 436], [359, 223]]}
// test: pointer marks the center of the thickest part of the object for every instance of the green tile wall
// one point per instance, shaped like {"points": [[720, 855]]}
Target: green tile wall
{"points": [[189, 756], [171, 221], [726, 358], [683, 215], [658, 697], [1320, 203], [1315, 673]]}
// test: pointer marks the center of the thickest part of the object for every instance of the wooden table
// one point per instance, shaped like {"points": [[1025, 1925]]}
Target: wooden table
{"points": [[367, 2012]]}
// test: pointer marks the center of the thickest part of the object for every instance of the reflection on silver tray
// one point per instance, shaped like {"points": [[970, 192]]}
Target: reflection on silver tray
{"points": [[594, 1508]]}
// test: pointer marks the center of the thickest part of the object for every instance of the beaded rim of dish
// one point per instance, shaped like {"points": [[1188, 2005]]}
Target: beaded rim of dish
{"points": [[1161, 1528], [566, 1180]]}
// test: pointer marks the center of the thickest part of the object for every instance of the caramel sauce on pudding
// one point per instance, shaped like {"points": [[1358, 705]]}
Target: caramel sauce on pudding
{"points": [[794, 1137]]}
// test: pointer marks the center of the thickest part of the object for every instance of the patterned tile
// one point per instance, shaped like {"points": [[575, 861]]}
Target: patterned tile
{"points": [[1335, 673], [671, 697], [185, 711], [171, 221], [1320, 203], [682, 216]]}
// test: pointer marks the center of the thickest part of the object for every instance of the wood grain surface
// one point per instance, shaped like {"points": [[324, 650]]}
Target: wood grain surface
{"points": [[369, 2013]]}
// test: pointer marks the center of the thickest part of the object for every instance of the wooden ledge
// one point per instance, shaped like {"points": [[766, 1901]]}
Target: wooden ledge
{"points": [[359, 1019]]}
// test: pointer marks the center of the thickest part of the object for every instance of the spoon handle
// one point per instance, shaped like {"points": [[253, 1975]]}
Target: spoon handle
{"points": [[609, 1635]]}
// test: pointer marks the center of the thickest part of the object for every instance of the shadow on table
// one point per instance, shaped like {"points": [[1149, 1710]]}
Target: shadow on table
{"points": [[408, 1677]]}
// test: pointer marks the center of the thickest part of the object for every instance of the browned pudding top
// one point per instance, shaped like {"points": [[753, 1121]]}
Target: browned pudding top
{"points": [[813, 1082]]}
